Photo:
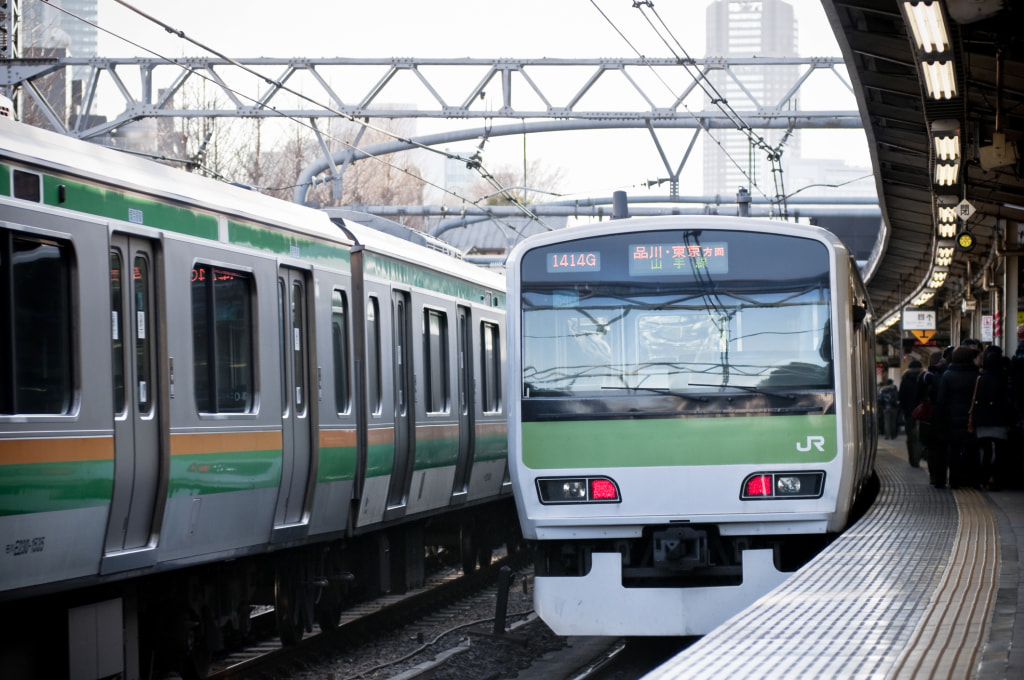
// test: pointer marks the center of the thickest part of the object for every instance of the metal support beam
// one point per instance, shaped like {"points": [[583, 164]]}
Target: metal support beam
{"points": [[302, 88]]}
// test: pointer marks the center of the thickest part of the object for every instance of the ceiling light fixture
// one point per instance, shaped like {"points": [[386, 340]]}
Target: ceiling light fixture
{"points": [[939, 79], [946, 137], [928, 26], [946, 173]]}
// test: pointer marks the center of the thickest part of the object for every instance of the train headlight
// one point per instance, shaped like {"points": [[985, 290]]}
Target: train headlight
{"points": [[787, 485], [560, 490], [574, 490], [782, 485]]}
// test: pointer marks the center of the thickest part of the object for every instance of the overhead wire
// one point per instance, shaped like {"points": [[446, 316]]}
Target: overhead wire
{"points": [[477, 165], [774, 153], [716, 98]]}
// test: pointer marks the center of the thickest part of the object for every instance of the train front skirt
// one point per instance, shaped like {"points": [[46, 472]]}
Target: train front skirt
{"points": [[598, 604]]}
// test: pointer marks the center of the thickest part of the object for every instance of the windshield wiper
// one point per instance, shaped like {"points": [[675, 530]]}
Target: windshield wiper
{"points": [[748, 388], [658, 390]]}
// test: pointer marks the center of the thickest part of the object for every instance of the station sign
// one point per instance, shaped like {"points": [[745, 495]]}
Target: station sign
{"points": [[965, 210], [918, 319], [920, 323]]}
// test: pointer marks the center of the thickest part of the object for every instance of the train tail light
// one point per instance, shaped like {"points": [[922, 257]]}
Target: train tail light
{"points": [[560, 490], [783, 485]]}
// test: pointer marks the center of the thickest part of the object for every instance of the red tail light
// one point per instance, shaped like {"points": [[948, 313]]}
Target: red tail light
{"points": [[603, 490], [758, 485]]}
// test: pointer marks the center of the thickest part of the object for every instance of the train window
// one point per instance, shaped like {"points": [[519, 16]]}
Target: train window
{"points": [[222, 339], [116, 338], [435, 360], [27, 186], [339, 333], [143, 335], [373, 378], [490, 363], [35, 343]]}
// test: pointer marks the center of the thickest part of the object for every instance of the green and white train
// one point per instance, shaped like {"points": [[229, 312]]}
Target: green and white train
{"points": [[212, 400], [691, 414]]}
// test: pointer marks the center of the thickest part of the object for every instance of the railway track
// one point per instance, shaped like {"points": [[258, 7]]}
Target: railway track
{"points": [[391, 631]]}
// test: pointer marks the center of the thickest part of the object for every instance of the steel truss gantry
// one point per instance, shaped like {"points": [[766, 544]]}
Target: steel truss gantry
{"points": [[541, 94]]}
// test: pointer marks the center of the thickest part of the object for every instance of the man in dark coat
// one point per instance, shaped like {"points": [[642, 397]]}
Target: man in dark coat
{"points": [[952, 411], [908, 400]]}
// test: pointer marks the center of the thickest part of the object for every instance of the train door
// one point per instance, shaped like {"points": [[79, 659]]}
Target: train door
{"points": [[464, 351], [137, 440], [401, 470], [296, 420]]}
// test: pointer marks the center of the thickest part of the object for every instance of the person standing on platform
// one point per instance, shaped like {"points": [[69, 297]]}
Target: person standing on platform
{"points": [[908, 401], [888, 403], [993, 414], [1015, 451], [956, 447], [927, 393]]}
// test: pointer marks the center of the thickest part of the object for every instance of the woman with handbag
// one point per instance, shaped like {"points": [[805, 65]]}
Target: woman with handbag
{"points": [[908, 404], [952, 415], [927, 392]]}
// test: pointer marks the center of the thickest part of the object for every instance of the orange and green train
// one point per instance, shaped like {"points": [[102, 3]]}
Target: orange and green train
{"points": [[196, 378]]}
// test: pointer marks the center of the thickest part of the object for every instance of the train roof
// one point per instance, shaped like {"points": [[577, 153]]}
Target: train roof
{"points": [[666, 222], [24, 143], [392, 239], [31, 145]]}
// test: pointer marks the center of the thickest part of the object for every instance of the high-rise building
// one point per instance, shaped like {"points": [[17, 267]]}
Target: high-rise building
{"points": [[748, 28], [47, 32], [83, 34]]}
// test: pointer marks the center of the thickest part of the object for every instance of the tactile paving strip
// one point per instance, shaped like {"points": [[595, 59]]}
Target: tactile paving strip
{"points": [[905, 593]]}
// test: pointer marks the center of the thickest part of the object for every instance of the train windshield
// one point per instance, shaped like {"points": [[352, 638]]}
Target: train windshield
{"points": [[684, 313]]}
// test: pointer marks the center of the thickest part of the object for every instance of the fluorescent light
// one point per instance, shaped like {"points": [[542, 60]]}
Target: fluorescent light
{"points": [[923, 298], [946, 136], [887, 323], [947, 148], [939, 275], [947, 229], [928, 26], [946, 173], [939, 79]]}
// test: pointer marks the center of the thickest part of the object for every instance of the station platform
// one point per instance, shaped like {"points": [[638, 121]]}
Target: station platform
{"points": [[926, 585]]}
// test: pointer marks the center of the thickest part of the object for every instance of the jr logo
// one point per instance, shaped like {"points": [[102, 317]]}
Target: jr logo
{"points": [[817, 441]]}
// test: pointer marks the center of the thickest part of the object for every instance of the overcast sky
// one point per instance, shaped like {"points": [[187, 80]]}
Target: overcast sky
{"points": [[465, 28]]}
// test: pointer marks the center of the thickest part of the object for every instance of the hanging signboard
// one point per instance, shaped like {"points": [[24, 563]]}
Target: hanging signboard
{"points": [[918, 319]]}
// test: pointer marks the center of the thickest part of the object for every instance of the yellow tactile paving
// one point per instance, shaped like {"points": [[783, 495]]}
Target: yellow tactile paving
{"points": [[948, 641], [907, 592]]}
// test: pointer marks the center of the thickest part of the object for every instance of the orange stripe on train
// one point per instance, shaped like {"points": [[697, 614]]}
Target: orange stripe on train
{"points": [[224, 442], [55, 450]]}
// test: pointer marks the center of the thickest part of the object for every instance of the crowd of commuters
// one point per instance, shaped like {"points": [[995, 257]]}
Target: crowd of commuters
{"points": [[963, 414]]}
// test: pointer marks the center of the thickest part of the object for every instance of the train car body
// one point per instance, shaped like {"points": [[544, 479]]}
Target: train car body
{"points": [[690, 414], [193, 374]]}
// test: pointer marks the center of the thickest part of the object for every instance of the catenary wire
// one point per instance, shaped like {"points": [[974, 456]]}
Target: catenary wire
{"points": [[477, 166]]}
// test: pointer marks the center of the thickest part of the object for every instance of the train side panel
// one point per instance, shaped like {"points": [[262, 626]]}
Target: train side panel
{"points": [[56, 441]]}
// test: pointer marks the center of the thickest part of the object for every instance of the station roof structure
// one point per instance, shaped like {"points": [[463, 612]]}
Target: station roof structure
{"points": [[940, 86]]}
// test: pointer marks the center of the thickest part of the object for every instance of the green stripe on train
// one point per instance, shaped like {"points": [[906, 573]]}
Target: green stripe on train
{"points": [[327, 254], [201, 474], [119, 205], [337, 464], [46, 487], [435, 453], [402, 272], [752, 440], [491, 447]]}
